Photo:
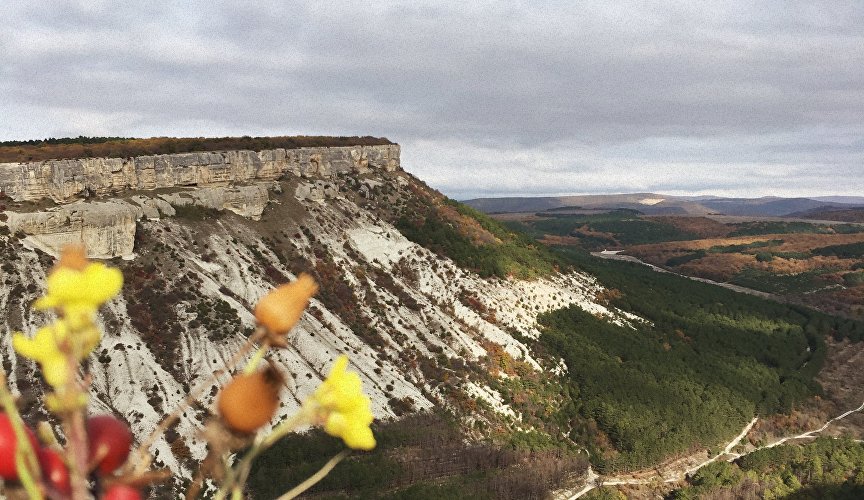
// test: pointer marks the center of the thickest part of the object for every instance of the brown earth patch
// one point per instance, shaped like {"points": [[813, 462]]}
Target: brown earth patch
{"points": [[700, 226], [467, 226], [791, 243]]}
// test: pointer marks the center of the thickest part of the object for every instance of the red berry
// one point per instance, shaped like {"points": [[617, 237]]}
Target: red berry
{"points": [[109, 440], [121, 492], [8, 446], [54, 471]]}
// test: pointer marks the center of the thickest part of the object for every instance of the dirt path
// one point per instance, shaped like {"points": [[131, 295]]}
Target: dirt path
{"points": [[675, 475]]}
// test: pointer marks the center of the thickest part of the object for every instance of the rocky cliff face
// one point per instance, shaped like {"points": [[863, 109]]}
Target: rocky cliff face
{"points": [[222, 181], [416, 326], [61, 180]]}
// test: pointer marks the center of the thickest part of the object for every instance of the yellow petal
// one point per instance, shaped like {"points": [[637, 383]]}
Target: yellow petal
{"points": [[63, 285], [101, 283], [55, 370], [359, 438], [26, 346], [335, 424]]}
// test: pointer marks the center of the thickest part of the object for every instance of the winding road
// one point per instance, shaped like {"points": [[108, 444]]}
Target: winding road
{"points": [[616, 255]]}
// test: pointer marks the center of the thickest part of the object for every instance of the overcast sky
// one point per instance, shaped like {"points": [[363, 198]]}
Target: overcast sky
{"points": [[486, 98]]}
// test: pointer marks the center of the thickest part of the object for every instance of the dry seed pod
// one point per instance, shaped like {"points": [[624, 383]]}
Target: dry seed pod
{"points": [[279, 310], [249, 400]]}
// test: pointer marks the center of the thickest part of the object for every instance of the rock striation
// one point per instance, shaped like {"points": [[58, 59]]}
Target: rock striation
{"points": [[246, 201], [64, 180], [107, 228], [238, 181]]}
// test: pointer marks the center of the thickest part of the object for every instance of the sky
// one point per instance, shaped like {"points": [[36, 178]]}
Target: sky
{"points": [[735, 98]]}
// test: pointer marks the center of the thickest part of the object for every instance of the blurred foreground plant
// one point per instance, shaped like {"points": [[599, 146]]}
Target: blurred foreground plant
{"points": [[95, 458]]}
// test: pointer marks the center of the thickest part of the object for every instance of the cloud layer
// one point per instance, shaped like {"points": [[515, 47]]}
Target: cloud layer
{"points": [[488, 98]]}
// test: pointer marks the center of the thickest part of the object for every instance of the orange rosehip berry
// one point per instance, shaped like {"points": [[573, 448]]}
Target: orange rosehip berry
{"points": [[250, 400], [279, 310]]}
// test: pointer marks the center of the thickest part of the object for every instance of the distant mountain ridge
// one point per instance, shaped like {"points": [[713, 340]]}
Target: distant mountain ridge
{"points": [[661, 204]]}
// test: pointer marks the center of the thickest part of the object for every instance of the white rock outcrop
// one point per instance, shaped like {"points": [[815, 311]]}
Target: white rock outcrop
{"points": [[247, 201], [107, 229], [62, 180]]}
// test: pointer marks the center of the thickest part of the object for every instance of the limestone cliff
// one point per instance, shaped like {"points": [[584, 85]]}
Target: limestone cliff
{"points": [[62, 180], [238, 181]]}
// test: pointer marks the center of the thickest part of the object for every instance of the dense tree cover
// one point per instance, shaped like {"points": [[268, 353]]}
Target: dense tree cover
{"points": [[706, 361], [624, 226], [511, 253], [825, 468], [854, 278], [847, 251], [51, 141], [777, 227], [782, 284], [120, 147], [421, 457], [743, 246], [756, 228]]}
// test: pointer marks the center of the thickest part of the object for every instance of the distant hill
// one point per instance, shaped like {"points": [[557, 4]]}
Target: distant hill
{"points": [[849, 200], [855, 214], [769, 207], [649, 203], [660, 204]]}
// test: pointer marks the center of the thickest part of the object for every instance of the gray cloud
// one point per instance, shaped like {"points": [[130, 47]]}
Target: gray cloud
{"points": [[600, 96]]}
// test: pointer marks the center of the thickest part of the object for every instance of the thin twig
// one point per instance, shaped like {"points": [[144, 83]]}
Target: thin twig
{"points": [[237, 476], [74, 425], [142, 452], [314, 478]]}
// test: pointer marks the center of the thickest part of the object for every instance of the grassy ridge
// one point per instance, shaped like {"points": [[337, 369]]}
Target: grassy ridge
{"points": [[421, 457], [507, 253], [625, 227]]}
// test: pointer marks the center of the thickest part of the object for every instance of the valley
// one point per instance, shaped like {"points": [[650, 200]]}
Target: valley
{"points": [[501, 360], [815, 263]]}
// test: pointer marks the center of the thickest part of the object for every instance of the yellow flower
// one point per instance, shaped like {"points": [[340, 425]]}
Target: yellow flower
{"points": [[81, 290], [341, 406], [49, 348]]}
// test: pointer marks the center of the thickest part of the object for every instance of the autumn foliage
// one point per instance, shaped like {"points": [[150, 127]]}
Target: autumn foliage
{"points": [[119, 147]]}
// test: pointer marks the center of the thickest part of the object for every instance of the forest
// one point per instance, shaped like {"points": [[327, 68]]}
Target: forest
{"points": [[824, 468], [704, 363], [689, 377], [419, 457]]}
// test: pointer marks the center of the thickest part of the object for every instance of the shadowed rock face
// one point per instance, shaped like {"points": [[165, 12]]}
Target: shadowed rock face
{"points": [[62, 180]]}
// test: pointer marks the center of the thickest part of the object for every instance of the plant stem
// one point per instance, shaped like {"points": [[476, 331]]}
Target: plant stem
{"points": [[76, 452], [236, 476], [74, 425], [142, 452], [315, 478], [25, 459], [256, 358]]}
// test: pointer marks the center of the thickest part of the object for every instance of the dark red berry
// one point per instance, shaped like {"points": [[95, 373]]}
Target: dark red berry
{"points": [[121, 492], [109, 441], [8, 446], [54, 471]]}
